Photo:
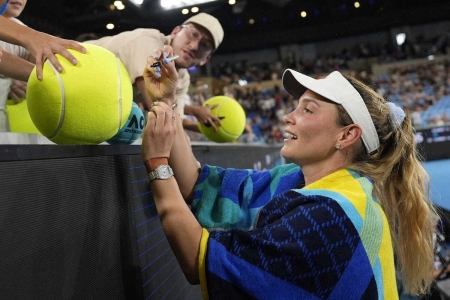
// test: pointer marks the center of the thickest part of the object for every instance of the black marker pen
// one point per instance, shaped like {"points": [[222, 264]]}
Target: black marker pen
{"points": [[159, 63]]}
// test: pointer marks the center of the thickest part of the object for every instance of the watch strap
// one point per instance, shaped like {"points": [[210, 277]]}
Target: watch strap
{"points": [[152, 163]]}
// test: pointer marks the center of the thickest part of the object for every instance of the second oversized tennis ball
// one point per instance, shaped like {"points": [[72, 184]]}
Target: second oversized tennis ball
{"points": [[232, 117]]}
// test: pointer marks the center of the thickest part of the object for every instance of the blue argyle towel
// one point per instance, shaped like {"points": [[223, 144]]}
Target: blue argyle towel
{"points": [[266, 239]]}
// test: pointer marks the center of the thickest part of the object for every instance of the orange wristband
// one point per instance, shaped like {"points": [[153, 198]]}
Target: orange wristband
{"points": [[153, 163]]}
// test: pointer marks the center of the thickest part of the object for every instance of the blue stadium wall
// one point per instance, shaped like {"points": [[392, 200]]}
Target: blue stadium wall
{"points": [[79, 222]]}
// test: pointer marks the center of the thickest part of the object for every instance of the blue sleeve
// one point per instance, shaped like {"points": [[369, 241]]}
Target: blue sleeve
{"points": [[231, 198]]}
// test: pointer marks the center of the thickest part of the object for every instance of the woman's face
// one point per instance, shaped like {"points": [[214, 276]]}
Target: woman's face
{"points": [[312, 130]]}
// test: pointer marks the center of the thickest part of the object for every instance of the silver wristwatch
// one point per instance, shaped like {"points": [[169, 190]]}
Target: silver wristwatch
{"points": [[161, 172]]}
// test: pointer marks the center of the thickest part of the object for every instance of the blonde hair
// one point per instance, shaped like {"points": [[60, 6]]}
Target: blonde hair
{"points": [[402, 188]]}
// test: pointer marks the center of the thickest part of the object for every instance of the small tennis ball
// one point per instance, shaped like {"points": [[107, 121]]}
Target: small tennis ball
{"points": [[86, 103], [132, 129], [232, 117]]}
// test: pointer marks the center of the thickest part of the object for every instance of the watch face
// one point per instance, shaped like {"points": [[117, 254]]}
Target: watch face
{"points": [[161, 172], [164, 172]]}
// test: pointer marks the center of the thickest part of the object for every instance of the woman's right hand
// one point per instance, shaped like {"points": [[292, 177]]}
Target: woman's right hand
{"points": [[161, 82], [159, 133]]}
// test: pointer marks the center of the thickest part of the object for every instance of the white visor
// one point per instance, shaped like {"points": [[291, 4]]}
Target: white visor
{"points": [[336, 88]]}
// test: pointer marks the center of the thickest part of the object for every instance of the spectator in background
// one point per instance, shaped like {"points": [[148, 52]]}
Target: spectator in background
{"points": [[22, 47], [416, 116], [10, 88], [440, 288], [437, 120], [445, 118], [42, 46], [194, 41], [86, 37], [199, 96], [226, 92]]}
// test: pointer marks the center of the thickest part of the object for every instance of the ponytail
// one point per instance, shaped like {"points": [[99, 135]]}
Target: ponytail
{"points": [[402, 189]]}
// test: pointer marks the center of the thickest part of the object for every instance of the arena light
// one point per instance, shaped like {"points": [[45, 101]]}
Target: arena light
{"points": [[171, 4], [137, 2], [400, 38], [242, 82], [119, 5]]}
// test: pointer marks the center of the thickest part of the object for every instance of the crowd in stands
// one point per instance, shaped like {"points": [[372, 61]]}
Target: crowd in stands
{"points": [[232, 72], [422, 89]]}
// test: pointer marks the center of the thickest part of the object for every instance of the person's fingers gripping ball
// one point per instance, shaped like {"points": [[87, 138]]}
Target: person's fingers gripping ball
{"points": [[17, 90], [44, 46], [205, 117]]}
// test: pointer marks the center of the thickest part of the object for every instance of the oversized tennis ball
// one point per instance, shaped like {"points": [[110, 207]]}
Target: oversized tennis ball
{"points": [[132, 129], [86, 103], [19, 118], [232, 117]]}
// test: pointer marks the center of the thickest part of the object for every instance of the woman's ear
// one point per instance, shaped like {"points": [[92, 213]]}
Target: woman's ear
{"points": [[349, 136]]}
